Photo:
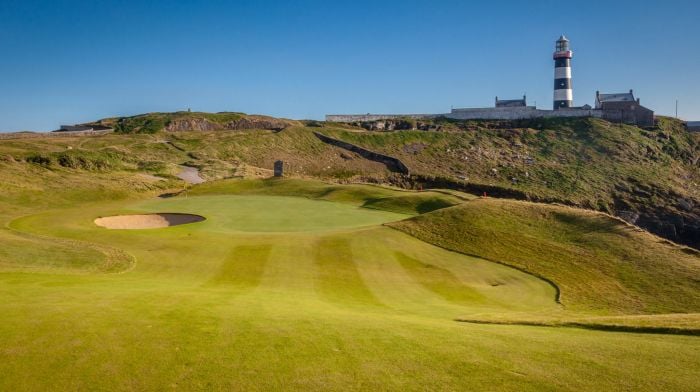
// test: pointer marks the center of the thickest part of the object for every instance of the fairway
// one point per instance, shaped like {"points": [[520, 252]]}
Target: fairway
{"points": [[281, 292]]}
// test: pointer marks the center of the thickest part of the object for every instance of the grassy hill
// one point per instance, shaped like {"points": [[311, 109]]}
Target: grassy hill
{"points": [[192, 121], [600, 264], [650, 177]]}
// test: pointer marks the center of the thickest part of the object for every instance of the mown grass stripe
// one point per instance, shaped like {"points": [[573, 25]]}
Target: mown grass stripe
{"points": [[338, 278], [244, 266]]}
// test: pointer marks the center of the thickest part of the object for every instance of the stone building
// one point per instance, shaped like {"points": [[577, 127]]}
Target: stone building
{"points": [[511, 103], [278, 169], [624, 108]]}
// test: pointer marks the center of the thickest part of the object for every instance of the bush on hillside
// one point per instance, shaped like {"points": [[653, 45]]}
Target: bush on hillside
{"points": [[40, 160], [73, 161], [147, 125]]}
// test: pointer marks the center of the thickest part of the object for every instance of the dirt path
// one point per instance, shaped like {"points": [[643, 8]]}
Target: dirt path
{"points": [[190, 175]]}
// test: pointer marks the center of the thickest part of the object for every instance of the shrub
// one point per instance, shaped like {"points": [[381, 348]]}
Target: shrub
{"points": [[39, 160]]}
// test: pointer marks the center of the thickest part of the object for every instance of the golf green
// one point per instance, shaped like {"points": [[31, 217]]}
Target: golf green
{"points": [[269, 213]]}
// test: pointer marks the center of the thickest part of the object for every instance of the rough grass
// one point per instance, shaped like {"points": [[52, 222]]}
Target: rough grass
{"points": [[581, 160], [599, 263], [649, 176], [155, 122]]}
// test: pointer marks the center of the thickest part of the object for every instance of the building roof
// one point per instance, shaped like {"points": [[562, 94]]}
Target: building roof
{"points": [[600, 98], [563, 38]]}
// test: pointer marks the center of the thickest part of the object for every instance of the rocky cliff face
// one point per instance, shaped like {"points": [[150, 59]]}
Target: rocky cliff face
{"points": [[191, 124], [398, 125], [673, 216], [246, 122]]}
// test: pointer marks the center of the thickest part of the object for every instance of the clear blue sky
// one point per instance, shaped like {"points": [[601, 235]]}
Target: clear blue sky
{"points": [[76, 61]]}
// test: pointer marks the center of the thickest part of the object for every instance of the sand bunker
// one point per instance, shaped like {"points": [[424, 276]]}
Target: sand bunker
{"points": [[146, 221]]}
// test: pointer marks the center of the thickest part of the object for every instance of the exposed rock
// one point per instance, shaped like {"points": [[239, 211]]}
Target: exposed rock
{"points": [[191, 124], [247, 122], [414, 148], [398, 124], [679, 224], [258, 122], [686, 204], [628, 216]]}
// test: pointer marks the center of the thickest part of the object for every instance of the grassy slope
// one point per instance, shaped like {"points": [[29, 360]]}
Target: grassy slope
{"points": [[27, 188], [601, 264], [302, 152], [219, 153], [344, 309], [584, 162], [587, 162]]}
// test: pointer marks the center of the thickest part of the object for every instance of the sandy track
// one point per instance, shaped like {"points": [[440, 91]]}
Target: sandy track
{"points": [[190, 175], [146, 221]]}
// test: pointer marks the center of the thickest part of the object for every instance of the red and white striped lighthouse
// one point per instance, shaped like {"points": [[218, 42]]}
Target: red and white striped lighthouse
{"points": [[563, 92]]}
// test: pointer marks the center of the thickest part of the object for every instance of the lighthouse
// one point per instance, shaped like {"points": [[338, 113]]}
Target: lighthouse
{"points": [[563, 93]]}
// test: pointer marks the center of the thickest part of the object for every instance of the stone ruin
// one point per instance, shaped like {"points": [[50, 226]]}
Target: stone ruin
{"points": [[279, 169]]}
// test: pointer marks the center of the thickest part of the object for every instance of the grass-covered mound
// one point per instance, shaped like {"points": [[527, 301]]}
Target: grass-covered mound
{"points": [[192, 121], [599, 263]]}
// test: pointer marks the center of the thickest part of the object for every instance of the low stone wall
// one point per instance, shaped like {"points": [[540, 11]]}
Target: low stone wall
{"points": [[393, 164], [502, 113], [524, 113], [31, 135], [375, 117]]}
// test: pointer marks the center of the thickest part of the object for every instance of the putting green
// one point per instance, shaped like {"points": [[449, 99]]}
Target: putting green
{"points": [[269, 213]]}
